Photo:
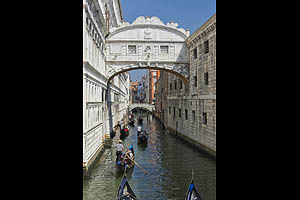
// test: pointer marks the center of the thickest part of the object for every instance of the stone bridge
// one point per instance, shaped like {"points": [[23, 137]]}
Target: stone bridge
{"points": [[145, 106], [147, 43]]}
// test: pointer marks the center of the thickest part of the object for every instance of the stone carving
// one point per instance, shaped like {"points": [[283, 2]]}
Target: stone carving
{"points": [[147, 33]]}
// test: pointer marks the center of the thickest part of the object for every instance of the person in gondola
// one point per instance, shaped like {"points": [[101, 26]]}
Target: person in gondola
{"points": [[120, 149], [139, 130], [131, 149], [122, 133], [129, 158]]}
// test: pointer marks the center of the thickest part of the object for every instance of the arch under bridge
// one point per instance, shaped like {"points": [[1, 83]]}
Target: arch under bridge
{"points": [[144, 106]]}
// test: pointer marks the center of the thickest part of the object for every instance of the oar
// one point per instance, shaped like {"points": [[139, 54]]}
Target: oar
{"points": [[136, 163]]}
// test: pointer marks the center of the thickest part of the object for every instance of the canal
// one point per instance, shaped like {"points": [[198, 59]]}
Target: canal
{"points": [[168, 161]]}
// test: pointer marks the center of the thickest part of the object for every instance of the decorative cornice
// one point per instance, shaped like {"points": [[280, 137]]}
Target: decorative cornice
{"points": [[145, 22]]}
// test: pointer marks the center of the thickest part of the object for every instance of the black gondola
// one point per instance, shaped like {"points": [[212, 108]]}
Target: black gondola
{"points": [[192, 193], [131, 123], [140, 121], [125, 162], [142, 137], [124, 133], [125, 192]]}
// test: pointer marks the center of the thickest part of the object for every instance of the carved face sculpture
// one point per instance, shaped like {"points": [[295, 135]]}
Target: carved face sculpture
{"points": [[147, 33]]}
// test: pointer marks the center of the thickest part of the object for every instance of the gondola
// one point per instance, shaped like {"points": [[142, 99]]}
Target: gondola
{"points": [[125, 192], [140, 121], [192, 193], [124, 133], [142, 137], [131, 123], [125, 162]]}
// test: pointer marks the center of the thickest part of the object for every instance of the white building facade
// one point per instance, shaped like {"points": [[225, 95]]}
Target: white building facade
{"points": [[99, 16]]}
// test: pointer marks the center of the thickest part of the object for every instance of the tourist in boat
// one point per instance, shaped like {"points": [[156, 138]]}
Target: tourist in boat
{"points": [[131, 149]]}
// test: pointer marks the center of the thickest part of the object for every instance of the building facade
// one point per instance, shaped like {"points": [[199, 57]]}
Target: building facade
{"points": [[98, 18], [191, 112], [153, 77]]}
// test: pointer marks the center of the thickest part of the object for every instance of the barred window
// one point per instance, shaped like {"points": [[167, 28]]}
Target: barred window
{"points": [[174, 113], [186, 114], [131, 49], [164, 49], [206, 78], [194, 116], [204, 118], [206, 46], [195, 53]]}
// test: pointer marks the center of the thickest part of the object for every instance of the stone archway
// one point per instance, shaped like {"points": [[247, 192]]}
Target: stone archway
{"points": [[179, 70], [148, 43], [144, 106]]}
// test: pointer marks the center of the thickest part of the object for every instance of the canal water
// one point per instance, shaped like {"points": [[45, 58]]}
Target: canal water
{"points": [[168, 161]]}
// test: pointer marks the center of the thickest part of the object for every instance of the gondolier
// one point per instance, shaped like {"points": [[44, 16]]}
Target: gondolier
{"points": [[120, 149]]}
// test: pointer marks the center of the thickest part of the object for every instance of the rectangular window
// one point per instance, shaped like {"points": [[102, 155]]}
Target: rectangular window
{"points": [[204, 118], [186, 114], [206, 78], [194, 116], [131, 49], [170, 86], [179, 113], [169, 110], [206, 46], [174, 113], [195, 81], [175, 85], [195, 53], [180, 84], [164, 49]]}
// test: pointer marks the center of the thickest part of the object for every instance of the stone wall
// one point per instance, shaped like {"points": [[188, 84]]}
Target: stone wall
{"points": [[191, 112]]}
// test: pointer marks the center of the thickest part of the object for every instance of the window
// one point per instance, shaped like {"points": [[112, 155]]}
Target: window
{"points": [[206, 78], [195, 81], [194, 116], [131, 49], [174, 113], [170, 86], [186, 114], [206, 46], [179, 113], [175, 85], [204, 118], [180, 84], [195, 53], [164, 49], [169, 110]]}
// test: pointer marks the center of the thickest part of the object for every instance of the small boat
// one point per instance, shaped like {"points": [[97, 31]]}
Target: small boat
{"points": [[140, 121], [124, 133], [125, 161], [192, 193], [142, 137], [125, 192], [131, 123]]}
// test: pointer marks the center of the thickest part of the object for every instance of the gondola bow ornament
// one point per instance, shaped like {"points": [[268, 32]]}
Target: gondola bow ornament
{"points": [[192, 193]]}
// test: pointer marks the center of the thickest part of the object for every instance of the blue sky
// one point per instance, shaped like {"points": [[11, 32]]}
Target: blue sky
{"points": [[189, 14]]}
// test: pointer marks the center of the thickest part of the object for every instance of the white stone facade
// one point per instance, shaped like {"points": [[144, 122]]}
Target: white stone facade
{"points": [[147, 43], [99, 16]]}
